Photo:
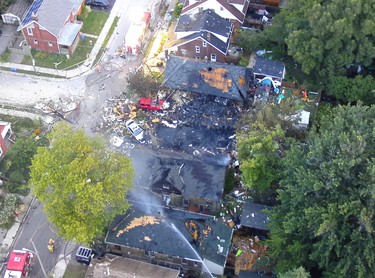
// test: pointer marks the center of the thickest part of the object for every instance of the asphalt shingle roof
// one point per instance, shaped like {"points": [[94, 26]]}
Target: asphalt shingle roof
{"points": [[269, 67], [216, 79], [52, 14], [253, 216], [163, 231]]}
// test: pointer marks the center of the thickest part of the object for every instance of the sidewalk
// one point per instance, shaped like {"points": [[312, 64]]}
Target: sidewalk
{"points": [[84, 68]]}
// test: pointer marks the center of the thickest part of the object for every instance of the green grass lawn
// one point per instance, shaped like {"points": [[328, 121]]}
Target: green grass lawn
{"points": [[46, 60], [93, 21]]}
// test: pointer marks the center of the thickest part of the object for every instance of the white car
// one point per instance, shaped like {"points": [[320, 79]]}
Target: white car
{"points": [[134, 129]]}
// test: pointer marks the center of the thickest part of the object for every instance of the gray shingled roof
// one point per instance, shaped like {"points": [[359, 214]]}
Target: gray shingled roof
{"points": [[206, 20], [269, 67], [52, 14], [253, 216], [169, 236], [217, 79]]}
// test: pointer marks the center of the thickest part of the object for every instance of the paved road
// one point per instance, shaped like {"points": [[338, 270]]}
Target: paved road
{"points": [[34, 235]]}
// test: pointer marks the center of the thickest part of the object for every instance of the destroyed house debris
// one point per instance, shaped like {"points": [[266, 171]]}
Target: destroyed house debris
{"points": [[182, 176], [168, 241], [269, 68], [254, 216], [216, 79]]}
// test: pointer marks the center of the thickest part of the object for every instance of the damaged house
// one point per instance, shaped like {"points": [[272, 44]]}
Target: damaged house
{"points": [[254, 217], [180, 181], [203, 36], [221, 80], [193, 243]]}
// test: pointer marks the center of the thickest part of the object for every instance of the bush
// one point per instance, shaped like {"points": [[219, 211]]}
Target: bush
{"points": [[5, 57]]}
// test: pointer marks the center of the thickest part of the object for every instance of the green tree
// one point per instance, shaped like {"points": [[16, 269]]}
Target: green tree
{"points": [[262, 142], [81, 183], [142, 83], [15, 165], [295, 273], [326, 214], [350, 90], [335, 31]]}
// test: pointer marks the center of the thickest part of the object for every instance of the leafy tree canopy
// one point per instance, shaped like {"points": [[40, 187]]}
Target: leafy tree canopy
{"points": [[142, 83], [351, 90], [295, 273], [81, 183], [326, 214], [333, 33], [262, 142]]}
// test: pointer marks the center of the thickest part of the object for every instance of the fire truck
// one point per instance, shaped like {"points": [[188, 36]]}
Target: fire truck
{"points": [[136, 32], [18, 264]]}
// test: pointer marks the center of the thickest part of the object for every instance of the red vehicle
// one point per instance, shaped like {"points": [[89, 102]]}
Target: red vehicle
{"points": [[151, 103], [18, 264]]}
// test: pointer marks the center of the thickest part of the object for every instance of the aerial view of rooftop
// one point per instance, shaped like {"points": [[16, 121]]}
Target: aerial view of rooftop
{"points": [[187, 139]]}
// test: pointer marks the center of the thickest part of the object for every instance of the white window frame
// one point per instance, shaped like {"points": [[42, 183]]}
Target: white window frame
{"points": [[212, 57], [1, 151], [183, 51], [204, 44], [197, 49], [30, 31], [50, 44], [36, 42]]}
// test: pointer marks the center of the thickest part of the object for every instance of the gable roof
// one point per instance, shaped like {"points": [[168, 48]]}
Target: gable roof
{"points": [[216, 79], [161, 230], [52, 14], [239, 15], [179, 174], [269, 67], [206, 20], [206, 25], [253, 216]]}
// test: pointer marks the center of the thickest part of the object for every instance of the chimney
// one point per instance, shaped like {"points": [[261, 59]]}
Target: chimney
{"points": [[34, 16]]}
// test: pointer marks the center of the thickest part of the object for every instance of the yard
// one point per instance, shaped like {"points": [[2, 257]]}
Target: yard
{"points": [[93, 21]]}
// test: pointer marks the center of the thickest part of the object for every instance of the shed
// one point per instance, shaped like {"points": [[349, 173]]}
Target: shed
{"points": [[254, 216], [269, 68], [15, 12]]}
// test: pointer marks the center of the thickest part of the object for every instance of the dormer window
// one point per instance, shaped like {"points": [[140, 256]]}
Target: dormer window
{"points": [[30, 31]]}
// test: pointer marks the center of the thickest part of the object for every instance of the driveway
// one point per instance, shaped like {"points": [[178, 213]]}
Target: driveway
{"points": [[8, 31]]}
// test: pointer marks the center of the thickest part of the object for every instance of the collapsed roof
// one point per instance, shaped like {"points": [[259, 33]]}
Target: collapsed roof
{"points": [[211, 78]]}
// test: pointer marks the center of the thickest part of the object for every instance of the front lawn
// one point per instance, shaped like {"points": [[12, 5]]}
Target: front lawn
{"points": [[47, 60], [93, 21]]}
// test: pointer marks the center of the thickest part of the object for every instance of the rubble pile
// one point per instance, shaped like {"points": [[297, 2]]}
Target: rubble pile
{"points": [[67, 110]]}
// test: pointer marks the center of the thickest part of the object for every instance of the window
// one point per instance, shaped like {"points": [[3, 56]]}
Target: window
{"points": [[116, 247], [1, 152], [213, 57], [198, 58], [186, 202], [30, 31], [184, 261], [50, 44], [204, 44], [197, 49], [35, 42], [183, 51]]}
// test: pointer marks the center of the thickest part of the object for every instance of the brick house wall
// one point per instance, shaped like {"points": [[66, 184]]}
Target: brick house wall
{"points": [[190, 50], [40, 39]]}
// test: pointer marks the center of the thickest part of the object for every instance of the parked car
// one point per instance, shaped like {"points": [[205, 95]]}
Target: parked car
{"points": [[97, 3], [134, 129], [151, 103]]}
